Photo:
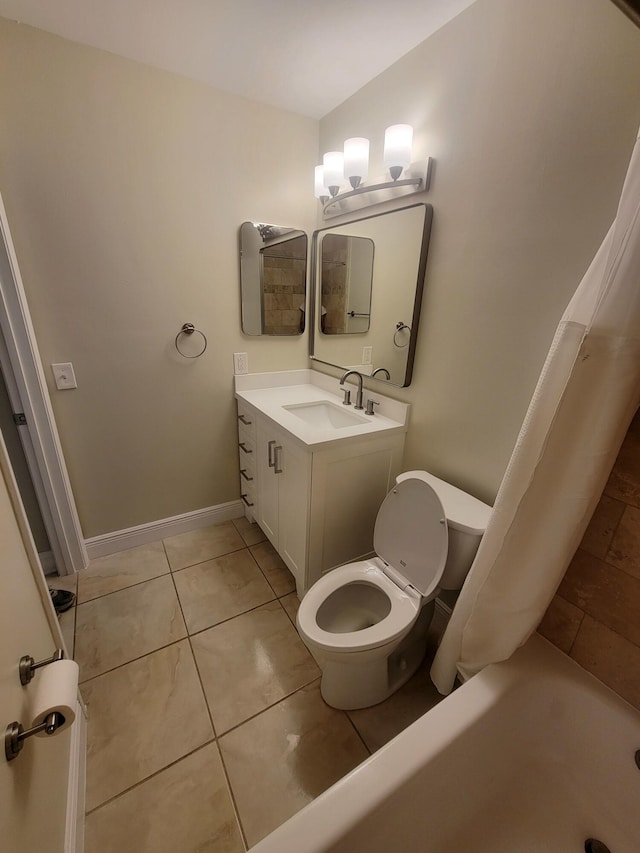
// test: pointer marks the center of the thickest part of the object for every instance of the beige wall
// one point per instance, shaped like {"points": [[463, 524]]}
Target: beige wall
{"points": [[125, 187], [530, 111], [125, 191], [594, 616]]}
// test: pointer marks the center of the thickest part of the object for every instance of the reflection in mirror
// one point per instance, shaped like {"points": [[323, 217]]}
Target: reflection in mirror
{"points": [[273, 267], [383, 258], [346, 275]]}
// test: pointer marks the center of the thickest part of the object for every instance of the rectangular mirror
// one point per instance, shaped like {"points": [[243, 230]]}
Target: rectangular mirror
{"points": [[273, 274], [367, 279]]}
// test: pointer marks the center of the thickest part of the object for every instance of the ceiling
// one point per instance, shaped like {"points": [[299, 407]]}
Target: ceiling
{"points": [[302, 55]]}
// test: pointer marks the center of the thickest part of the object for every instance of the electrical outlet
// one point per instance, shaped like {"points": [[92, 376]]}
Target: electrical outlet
{"points": [[64, 376], [366, 355], [240, 363]]}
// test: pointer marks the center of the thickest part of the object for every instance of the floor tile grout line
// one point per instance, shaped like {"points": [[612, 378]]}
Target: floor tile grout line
{"points": [[213, 728], [207, 559], [151, 776], [234, 728], [236, 810], [133, 660], [128, 586], [357, 731], [229, 618], [272, 705]]}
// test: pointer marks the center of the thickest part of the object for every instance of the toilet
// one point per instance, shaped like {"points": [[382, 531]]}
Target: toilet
{"points": [[366, 622]]}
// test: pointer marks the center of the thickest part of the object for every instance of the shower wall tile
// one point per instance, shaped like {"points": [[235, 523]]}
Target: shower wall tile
{"points": [[561, 623], [603, 524], [610, 657], [604, 592], [594, 616], [625, 547]]}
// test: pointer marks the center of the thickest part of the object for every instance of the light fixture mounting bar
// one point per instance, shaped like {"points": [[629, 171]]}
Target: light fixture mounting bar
{"points": [[415, 179]]}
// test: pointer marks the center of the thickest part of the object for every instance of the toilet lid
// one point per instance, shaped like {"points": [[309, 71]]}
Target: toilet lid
{"points": [[411, 534]]}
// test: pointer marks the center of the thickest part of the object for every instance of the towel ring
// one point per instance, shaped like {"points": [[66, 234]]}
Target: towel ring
{"points": [[189, 329], [400, 326]]}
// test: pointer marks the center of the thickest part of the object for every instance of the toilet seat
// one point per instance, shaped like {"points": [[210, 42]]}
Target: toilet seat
{"points": [[404, 610], [411, 535]]}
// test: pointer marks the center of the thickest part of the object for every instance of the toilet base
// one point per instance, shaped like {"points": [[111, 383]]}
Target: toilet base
{"points": [[362, 679]]}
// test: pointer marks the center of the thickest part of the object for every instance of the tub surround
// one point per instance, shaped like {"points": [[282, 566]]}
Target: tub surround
{"points": [[594, 615]]}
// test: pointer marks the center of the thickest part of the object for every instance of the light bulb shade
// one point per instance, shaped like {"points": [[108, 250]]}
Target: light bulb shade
{"points": [[356, 159], [398, 140], [333, 164], [320, 190]]}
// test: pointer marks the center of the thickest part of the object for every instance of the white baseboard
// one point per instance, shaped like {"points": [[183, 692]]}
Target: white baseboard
{"points": [[122, 540]]}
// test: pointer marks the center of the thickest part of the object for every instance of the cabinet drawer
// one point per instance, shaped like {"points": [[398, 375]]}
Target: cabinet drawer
{"points": [[247, 474], [246, 451], [248, 494], [246, 420], [245, 435]]}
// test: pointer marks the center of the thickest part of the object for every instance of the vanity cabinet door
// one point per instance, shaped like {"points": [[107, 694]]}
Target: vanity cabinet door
{"points": [[268, 485], [294, 494], [284, 476]]}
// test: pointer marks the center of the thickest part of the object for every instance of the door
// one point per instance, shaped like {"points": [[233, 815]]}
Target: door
{"points": [[21, 362], [34, 786], [13, 434]]}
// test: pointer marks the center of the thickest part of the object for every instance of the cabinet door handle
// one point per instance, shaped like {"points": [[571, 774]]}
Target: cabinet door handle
{"points": [[244, 420], [243, 473], [276, 459], [246, 500], [271, 458], [244, 447]]}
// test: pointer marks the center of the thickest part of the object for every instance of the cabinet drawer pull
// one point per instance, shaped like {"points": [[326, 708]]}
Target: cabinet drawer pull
{"points": [[244, 420], [243, 473], [271, 458], [246, 500], [276, 459], [243, 446]]}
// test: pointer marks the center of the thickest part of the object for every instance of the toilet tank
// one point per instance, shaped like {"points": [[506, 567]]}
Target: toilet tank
{"points": [[467, 519]]}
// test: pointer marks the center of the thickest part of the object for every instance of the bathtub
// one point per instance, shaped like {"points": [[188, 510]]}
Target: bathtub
{"points": [[533, 755]]}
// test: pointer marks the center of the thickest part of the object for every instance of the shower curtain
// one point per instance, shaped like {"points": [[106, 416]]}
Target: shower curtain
{"points": [[586, 396]]}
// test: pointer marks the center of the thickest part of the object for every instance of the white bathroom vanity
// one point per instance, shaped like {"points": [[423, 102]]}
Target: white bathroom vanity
{"points": [[314, 472]]}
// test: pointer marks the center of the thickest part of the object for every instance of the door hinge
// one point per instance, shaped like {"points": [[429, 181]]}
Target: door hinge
{"points": [[19, 419]]}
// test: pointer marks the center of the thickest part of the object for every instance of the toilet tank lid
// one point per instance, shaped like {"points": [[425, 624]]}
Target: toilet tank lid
{"points": [[463, 511]]}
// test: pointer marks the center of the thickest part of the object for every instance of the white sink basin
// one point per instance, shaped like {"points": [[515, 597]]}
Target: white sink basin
{"points": [[325, 415]]}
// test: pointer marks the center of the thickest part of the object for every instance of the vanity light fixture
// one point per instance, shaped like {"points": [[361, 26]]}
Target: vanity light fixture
{"points": [[321, 192], [333, 165], [356, 160], [398, 141], [404, 176]]}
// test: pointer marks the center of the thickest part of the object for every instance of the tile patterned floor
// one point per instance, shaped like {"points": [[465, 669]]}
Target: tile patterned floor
{"points": [[206, 725]]}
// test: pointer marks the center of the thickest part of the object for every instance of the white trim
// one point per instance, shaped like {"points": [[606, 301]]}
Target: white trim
{"points": [[19, 335], [76, 785], [122, 540], [48, 562]]}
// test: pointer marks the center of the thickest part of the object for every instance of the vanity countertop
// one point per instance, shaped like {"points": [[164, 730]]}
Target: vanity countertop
{"points": [[270, 393]]}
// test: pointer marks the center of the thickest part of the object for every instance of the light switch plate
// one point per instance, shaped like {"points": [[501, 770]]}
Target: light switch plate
{"points": [[64, 376], [240, 363], [366, 355]]}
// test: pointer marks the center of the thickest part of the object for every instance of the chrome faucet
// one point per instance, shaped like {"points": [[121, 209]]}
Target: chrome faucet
{"points": [[381, 370], [358, 404]]}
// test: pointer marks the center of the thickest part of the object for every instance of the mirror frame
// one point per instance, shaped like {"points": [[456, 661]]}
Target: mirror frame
{"points": [[248, 283], [316, 286]]}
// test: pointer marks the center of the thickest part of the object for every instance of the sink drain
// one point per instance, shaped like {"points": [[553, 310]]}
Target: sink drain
{"points": [[592, 845]]}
